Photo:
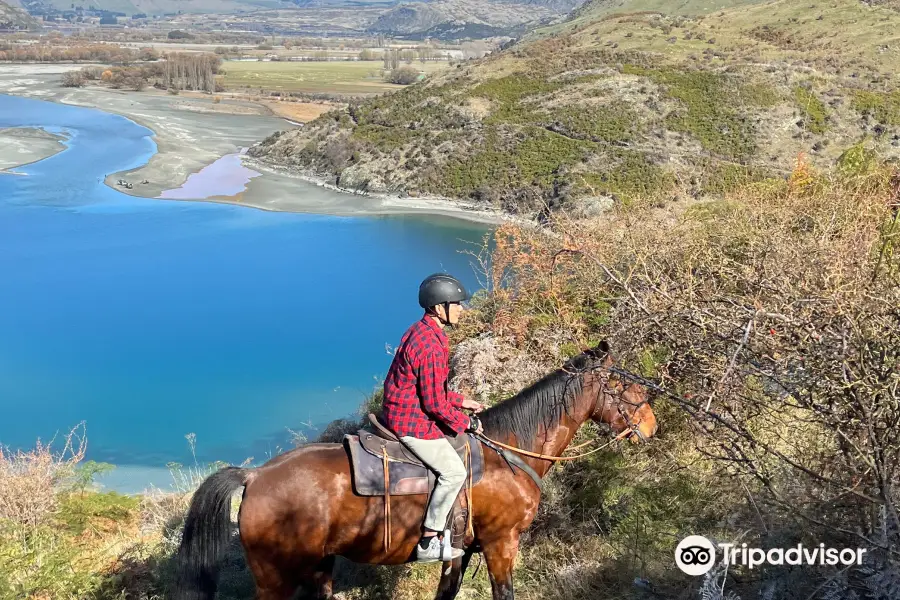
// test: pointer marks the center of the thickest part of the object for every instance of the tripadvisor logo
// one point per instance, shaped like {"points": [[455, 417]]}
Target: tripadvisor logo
{"points": [[696, 555]]}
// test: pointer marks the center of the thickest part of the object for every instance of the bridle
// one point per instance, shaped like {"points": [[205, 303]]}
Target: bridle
{"points": [[633, 428]]}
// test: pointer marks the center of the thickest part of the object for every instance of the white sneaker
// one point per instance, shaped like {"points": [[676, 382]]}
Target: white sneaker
{"points": [[437, 551]]}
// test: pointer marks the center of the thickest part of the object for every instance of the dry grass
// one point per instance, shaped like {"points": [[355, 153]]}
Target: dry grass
{"points": [[300, 112], [342, 77], [29, 480]]}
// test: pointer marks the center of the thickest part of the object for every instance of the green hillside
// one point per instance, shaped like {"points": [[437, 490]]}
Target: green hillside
{"points": [[621, 106]]}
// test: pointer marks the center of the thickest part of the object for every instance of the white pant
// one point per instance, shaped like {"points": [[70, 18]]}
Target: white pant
{"points": [[440, 457]]}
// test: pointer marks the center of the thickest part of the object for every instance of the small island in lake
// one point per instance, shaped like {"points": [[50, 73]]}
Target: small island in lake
{"points": [[25, 145]]}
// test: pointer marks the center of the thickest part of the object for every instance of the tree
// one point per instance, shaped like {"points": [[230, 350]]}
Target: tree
{"points": [[85, 474], [403, 76], [136, 83], [190, 71]]}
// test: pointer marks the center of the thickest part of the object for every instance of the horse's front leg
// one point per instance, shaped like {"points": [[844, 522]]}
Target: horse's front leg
{"points": [[322, 579], [451, 579], [500, 556]]}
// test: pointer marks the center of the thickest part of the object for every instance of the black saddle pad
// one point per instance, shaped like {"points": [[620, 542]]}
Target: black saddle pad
{"points": [[407, 474]]}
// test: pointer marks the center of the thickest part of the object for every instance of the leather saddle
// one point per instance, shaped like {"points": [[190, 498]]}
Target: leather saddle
{"points": [[381, 465], [405, 473]]}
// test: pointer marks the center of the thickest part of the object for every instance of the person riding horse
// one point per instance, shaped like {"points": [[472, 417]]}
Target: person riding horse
{"points": [[301, 509], [420, 410]]}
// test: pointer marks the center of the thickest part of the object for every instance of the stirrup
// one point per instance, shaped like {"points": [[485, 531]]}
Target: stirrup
{"points": [[447, 546]]}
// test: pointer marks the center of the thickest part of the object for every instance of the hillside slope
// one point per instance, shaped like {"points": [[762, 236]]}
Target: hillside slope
{"points": [[457, 19], [613, 107], [12, 17]]}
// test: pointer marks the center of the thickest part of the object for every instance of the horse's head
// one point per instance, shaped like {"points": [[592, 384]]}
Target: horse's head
{"points": [[622, 405]]}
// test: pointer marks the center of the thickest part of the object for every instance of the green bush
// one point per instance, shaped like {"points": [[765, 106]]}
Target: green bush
{"points": [[630, 175], [384, 138], [883, 106], [508, 93], [598, 123], [815, 115], [721, 178], [713, 107], [43, 562], [76, 510]]}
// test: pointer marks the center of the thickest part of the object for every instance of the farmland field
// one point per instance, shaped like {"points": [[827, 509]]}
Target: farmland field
{"points": [[341, 77]]}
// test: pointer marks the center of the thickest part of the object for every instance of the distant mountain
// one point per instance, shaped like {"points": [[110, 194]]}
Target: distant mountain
{"points": [[156, 7], [460, 19], [12, 17]]}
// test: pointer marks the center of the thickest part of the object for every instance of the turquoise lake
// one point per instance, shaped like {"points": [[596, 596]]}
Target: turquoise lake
{"points": [[153, 319]]}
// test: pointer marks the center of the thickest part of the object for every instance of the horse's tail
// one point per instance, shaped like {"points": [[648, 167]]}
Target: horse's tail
{"points": [[207, 530]]}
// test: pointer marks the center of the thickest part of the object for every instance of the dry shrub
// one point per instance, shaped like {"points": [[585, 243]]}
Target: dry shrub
{"points": [[30, 480], [771, 319], [163, 513], [488, 367], [73, 79]]}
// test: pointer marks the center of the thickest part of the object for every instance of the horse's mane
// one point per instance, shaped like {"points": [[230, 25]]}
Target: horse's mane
{"points": [[542, 403]]}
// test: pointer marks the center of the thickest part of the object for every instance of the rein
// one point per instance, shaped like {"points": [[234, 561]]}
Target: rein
{"points": [[549, 457]]}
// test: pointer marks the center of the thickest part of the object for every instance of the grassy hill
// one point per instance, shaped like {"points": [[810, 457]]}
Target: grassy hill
{"points": [[12, 17], [616, 106], [597, 8]]}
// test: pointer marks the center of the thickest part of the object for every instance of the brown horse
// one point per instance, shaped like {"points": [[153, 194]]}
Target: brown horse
{"points": [[299, 510]]}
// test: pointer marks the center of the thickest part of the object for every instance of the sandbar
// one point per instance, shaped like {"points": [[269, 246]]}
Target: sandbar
{"points": [[21, 146]]}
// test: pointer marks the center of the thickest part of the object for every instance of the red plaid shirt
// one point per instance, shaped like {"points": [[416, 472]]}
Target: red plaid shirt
{"points": [[416, 400]]}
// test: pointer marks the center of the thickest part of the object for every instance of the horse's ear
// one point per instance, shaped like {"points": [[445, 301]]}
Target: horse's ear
{"points": [[601, 349]]}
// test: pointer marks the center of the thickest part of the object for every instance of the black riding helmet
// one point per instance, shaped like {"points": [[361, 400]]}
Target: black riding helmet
{"points": [[441, 288]]}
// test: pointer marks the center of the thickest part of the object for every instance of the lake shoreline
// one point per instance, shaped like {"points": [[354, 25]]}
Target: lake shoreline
{"points": [[388, 203], [192, 132]]}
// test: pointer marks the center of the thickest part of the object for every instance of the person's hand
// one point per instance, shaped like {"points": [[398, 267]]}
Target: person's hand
{"points": [[472, 405]]}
